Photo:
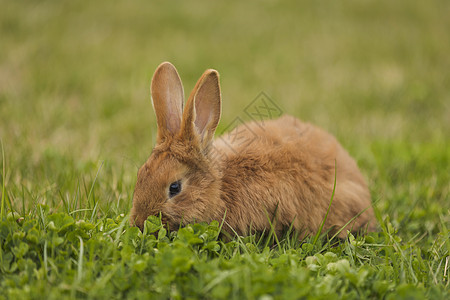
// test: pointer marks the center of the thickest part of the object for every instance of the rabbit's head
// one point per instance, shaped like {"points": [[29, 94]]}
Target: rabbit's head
{"points": [[180, 180]]}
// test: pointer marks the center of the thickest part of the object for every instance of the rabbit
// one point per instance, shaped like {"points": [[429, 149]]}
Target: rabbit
{"points": [[284, 177]]}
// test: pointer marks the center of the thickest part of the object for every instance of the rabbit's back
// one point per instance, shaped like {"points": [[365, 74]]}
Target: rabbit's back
{"points": [[284, 170]]}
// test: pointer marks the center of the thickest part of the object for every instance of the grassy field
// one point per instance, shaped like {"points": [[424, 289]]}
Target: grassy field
{"points": [[76, 123]]}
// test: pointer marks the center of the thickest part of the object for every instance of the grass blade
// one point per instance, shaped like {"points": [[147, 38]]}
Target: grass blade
{"points": [[329, 205]]}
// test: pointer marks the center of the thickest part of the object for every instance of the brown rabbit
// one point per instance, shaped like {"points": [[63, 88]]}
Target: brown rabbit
{"points": [[284, 176]]}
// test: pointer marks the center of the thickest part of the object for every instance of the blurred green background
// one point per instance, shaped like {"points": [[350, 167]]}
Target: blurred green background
{"points": [[75, 76]]}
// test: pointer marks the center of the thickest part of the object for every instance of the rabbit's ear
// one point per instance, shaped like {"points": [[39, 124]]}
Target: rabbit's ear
{"points": [[167, 99], [203, 108]]}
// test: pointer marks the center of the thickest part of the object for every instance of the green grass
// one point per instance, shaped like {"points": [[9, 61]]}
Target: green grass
{"points": [[76, 122]]}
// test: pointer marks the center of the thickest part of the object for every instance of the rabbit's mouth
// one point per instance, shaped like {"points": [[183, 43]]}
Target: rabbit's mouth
{"points": [[169, 222]]}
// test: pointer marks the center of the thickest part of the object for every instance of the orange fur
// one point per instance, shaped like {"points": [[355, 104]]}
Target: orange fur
{"points": [[286, 173]]}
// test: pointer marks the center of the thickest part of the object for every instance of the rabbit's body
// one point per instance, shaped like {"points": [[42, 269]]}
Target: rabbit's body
{"points": [[286, 175], [278, 171]]}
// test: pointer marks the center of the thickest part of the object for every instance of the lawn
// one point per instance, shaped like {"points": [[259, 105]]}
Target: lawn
{"points": [[76, 122]]}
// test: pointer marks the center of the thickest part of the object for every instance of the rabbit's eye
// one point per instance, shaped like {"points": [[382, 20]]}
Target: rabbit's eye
{"points": [[174, 188]]}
